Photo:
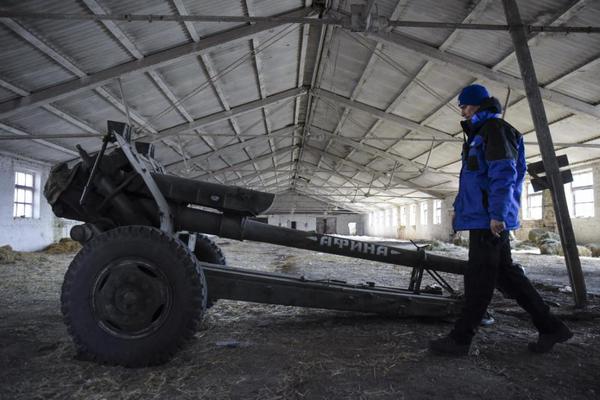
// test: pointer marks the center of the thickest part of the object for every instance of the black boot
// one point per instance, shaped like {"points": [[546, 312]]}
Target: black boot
{"points": [[448, 346], [546, 341]]}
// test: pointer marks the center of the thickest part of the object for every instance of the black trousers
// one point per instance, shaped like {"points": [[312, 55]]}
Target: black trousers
{"points": [[490, 266]]}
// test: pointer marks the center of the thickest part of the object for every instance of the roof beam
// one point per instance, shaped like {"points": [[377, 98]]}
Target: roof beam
{"points": [[43, 142], [333, 172], [153, 61], [366, 73], [372, 150], [563, 15], [479, 70], [277, 168], [68, 65], [113, 28], [53, 109], [317, 196], [305, 30], [246, 163], [324, 40], [376, 174], [353, 180], [258, 71], [227, 114], [474, 15], [393, 105], [377, 113], [211, 74], [237, 147], [573, 72]]}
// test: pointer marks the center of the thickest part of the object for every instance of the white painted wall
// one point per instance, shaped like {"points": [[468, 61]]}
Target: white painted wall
{"points": [[344, 219], [387, 223], [586, 229], [384, 224], [24, 234], [308, 222]]}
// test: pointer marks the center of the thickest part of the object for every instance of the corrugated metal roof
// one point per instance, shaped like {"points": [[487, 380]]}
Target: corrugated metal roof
{"points": [[86, 43], [245, 71], [151, 37], [25, 66]]}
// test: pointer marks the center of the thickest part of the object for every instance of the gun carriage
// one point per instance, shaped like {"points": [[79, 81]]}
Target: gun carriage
{"points": [[138, 289]]}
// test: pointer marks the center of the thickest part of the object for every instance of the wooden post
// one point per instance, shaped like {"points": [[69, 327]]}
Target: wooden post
{"points": [[542, 131]]}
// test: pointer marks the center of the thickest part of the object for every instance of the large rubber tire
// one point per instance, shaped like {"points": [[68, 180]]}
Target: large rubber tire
{"points": [[133, 296], [206, 250]]}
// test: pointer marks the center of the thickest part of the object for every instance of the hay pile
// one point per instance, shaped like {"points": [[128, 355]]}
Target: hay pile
{"points": [[7, 255], [64, 246], [549, 243]]}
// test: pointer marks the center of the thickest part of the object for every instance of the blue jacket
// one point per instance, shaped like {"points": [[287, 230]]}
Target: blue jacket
{"points": [[493, 168]]}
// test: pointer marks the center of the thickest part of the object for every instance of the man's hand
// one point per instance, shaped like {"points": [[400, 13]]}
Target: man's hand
{"points": [[497, 227]]}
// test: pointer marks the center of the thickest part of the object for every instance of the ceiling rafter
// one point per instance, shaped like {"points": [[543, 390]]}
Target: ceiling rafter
{"points": [[377, 113], [43, 142], [332, 172], [263, 171], [375, 173], [317, 196], [158, 80], [474, 14], [153, 61], [479, 70], [574, 72], [211, 73], [62, 60], [258, 68], [236, 147], [374, 150], [366, 73], [393, 105], [337, 189], [232, 112], [242, 164], [563, 15], [324, 40]]}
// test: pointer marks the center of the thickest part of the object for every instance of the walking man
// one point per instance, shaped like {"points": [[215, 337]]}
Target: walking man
{"points": [[487, 205]]}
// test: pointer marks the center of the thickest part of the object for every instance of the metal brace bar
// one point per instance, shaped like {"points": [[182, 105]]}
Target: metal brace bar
{"points": [[166, 217]]}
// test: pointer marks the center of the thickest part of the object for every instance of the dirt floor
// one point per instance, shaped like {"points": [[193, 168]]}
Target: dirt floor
{"points": [[254, 351]]}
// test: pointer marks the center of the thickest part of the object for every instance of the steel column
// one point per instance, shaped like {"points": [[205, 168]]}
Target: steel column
{"points": [[540, 121]]}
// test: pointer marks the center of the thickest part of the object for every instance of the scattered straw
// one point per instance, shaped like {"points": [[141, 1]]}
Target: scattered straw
{"points": [[64, 246]]}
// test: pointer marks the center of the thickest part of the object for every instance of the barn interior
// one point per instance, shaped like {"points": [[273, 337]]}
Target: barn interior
{"points": [[345, 112]]}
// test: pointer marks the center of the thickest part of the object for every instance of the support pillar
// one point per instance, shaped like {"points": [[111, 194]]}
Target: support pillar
{"points": [[542, 131]]}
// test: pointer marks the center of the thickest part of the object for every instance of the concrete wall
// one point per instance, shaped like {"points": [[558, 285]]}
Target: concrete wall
{"points": [[25, 234], [387, 223], [308, 222]]}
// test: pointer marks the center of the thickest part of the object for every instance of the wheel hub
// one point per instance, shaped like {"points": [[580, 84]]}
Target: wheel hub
{"points": [[131, 298]]}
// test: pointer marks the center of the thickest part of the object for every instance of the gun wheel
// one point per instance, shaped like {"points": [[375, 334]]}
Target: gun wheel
{"points": [[133, 296], [207, 250]]}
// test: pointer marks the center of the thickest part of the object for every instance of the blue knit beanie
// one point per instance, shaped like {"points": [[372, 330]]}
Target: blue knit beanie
{"points": [[473, 95]]}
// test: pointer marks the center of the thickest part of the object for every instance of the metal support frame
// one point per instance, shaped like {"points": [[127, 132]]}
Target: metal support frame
{"points": [[165, 214], [148, 63], [365, 15], [538, 114], [479, 70]]}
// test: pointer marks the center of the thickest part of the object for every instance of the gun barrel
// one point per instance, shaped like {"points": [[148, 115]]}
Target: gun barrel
{"points": [[241, 228]]}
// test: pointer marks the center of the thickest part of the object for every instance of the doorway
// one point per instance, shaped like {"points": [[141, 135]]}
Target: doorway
{"points": [[326, 225]]}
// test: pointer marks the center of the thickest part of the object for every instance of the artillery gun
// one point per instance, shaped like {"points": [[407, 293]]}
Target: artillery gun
{"points": [[138, 289]]}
